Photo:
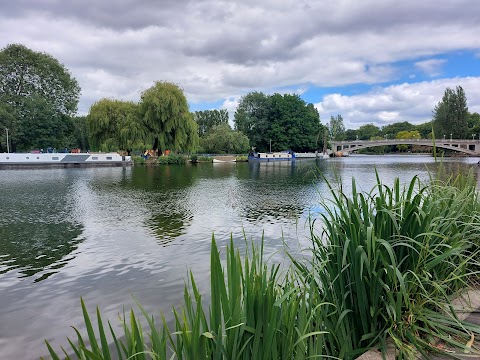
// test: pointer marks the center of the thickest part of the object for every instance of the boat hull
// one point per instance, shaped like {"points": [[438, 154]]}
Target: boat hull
{"points": [[8, 160]]}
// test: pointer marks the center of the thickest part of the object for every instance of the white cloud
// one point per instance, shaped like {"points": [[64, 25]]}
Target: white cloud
{"points": [[404, 102], [432, 67], [221, 49]]}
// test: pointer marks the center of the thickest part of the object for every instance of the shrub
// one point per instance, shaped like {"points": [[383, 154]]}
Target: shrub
{"points": [[172, 159], [241, 158], [140, 160]]}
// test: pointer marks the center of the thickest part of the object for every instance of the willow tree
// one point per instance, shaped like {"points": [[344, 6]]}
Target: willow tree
{"points": [[165, 114], [115, 125]]}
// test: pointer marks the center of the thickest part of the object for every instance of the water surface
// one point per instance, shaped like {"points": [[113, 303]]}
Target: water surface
{"points": [[106, 234]]}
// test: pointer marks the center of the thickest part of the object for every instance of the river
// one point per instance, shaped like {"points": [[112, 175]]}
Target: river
{"points": [[108, 234]]}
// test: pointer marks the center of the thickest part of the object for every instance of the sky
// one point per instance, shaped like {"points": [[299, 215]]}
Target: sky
{"points": [[371, 61]]}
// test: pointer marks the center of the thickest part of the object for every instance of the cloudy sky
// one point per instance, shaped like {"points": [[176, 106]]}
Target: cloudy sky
{"points": [[372, 61]]}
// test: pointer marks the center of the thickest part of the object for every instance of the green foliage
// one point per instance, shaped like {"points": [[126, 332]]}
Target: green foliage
{"points": [[138, 160], [208, 119], [425, 130], [389, 260], [241, 158], [205, 159], [194, 158], [407, 135], [172, 159], [284, 120], [255, 313], [392, 130], [114, 125], [336, 128], [222, 139], [450, 115], [368, 131], [40, 96], [164, 112]]}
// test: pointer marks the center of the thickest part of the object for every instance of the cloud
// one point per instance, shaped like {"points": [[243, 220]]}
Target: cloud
{"points": [[217, 50], [431, 67], [405, 102]]}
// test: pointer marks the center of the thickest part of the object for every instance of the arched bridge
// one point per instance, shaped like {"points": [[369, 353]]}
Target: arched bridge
{"points": [[470, 147]]}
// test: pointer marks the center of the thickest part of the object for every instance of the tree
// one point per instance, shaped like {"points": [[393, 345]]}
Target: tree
{"points": [[336, 128], [450, 115], [407, 135], [368, 131], [392, 130], [251, 118], [286, 121], [425, 130], [222, 139], [114, 125], [164, 111], [351, 134], [207, 119], [39, 92]]}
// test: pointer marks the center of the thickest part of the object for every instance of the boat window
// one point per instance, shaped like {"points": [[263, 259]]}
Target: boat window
{"points": [[94, 157], [109, 158], [8, 158], [28, 158], [55, 158], [38, 158]]}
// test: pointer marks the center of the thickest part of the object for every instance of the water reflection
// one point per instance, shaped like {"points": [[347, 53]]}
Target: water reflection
{"points": [[38, 233]]}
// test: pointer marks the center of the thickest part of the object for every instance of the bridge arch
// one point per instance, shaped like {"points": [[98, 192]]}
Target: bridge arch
{"points": [[470, 147]]}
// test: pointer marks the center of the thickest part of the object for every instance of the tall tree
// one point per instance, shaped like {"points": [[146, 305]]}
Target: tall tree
{"points": [[31, 82], [115, 125], [165, 115], [251, 118], [207, 119], [450, 115], [336, 128], [285, 121]]}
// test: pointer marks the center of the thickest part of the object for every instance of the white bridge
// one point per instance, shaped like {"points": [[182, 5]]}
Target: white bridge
{"points": [[470, 147]]}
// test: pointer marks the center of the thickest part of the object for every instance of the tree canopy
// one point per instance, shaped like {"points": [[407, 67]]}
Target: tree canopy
{"points": [[450, 115], [164, 112], [285, 121], [40, 94], [115, 124], [207, 119], [336, 128], [222, 139]]}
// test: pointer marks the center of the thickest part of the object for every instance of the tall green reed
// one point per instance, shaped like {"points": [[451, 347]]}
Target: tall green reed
{"points": [[389, 260], [255, 312]]}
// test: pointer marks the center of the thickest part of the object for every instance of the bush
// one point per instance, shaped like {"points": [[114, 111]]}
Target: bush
{"points": [[193, 158], [205, 159], [241, 158], [140, 160], [172, 159]]}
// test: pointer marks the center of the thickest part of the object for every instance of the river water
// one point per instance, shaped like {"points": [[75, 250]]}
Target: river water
{"points": [[108, 234]]}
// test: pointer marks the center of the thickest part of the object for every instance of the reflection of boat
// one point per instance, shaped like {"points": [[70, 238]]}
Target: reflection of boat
{"points": [[62, 159], [223, 161], [272, 156]]}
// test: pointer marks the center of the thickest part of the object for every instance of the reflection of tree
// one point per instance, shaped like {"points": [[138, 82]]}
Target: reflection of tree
{"points": [[168, 226], [278, 189], [37, 247], [167, 191]]}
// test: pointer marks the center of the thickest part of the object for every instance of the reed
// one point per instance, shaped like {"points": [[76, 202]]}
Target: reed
{"points": [[255, 312], [389, 261]]}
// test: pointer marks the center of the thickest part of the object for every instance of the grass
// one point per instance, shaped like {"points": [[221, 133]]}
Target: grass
{"points": [[384, 269]]}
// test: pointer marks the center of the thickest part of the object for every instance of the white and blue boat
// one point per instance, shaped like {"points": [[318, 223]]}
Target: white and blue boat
{"points": [[272, 156]]}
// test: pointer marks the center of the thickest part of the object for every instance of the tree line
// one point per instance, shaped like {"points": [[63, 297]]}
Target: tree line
{"points": [[39, 99]]}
